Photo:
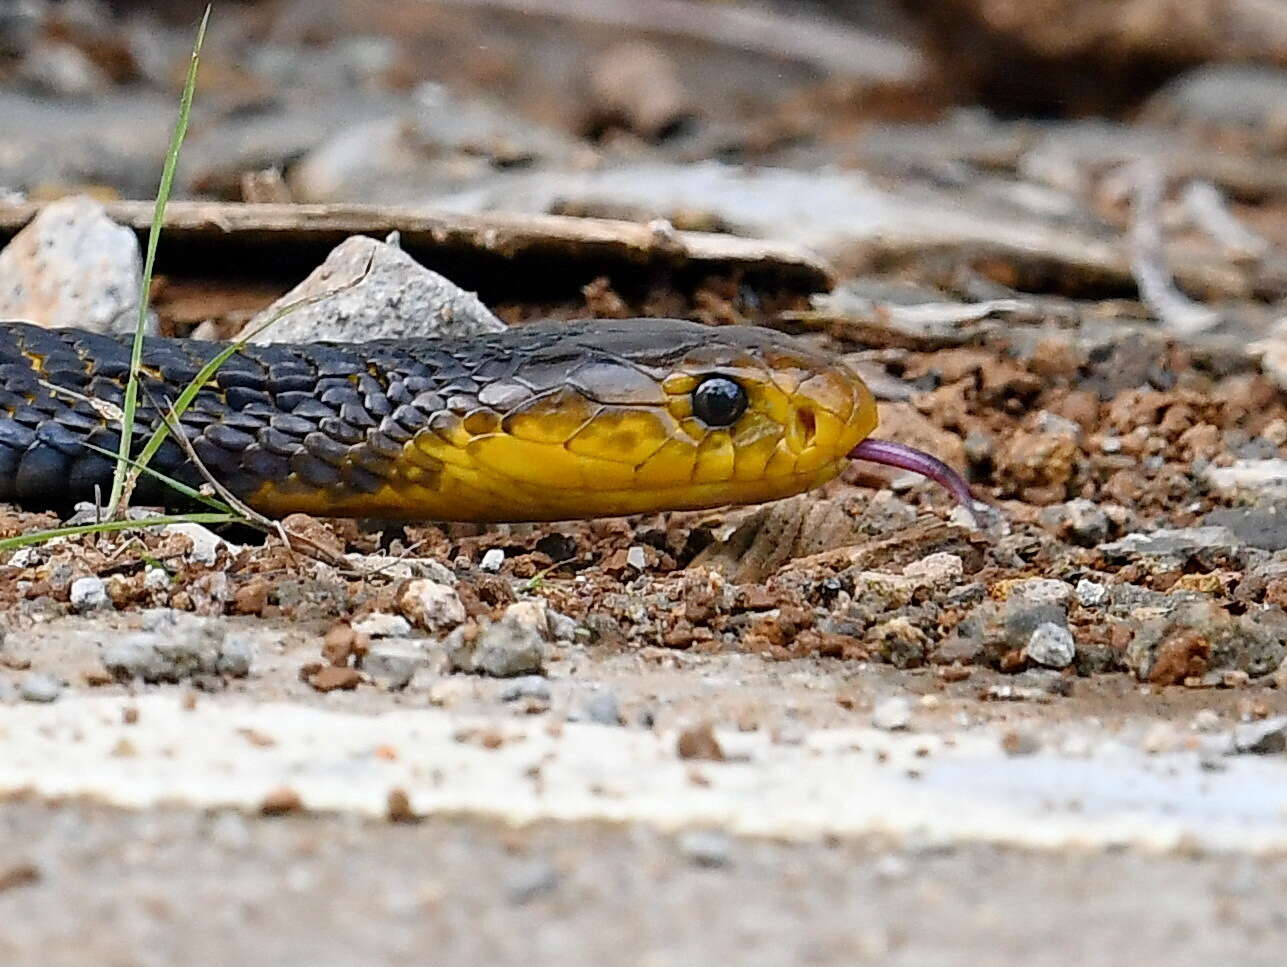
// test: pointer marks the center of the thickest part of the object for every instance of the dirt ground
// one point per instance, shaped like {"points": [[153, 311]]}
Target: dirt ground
{"points": [[855, 726]]}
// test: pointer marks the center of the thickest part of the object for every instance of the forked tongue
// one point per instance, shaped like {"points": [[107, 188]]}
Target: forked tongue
{"points": [[909, 458]]}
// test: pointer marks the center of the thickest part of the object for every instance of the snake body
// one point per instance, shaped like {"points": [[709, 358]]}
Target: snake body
{"points": [[540, 422]]}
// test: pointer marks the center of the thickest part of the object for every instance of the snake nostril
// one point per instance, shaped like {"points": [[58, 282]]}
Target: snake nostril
{"points": [[807, 424]]}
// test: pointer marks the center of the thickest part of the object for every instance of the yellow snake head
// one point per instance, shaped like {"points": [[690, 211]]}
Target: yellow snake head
{"points": [[635, 416]]}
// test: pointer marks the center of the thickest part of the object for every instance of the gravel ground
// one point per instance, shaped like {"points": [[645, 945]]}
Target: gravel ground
{"points": [[88, 884]]}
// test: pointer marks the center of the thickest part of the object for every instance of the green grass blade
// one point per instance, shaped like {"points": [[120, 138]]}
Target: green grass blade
{"points": [[110, 526], [154, 235], [176, 485]]}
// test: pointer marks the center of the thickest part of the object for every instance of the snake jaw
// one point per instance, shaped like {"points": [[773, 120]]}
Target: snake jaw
{"points": [[903, 457]]}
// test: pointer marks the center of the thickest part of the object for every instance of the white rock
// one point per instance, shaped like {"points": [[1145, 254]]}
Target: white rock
{"points": [[939, 570], [381, 624], [431, 606], [1051, 645], [514, 645], [89, 594], [492, 560], [636, 558], [375, 291], [1249, 475], [72, 266], [205, 543], [1091, 594], [393, 663], [1039, 591], [156, 578], [892, 714]]}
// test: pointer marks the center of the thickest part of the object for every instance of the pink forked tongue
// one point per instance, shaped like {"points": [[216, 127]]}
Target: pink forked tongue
{"points": [[909, 458]]}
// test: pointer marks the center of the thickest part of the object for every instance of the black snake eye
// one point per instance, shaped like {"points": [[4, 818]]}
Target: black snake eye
{"points": [[718, 401]]}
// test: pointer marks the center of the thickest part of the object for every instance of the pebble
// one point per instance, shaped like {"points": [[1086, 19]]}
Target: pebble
{"points": [[1260, 738], [603, 709], [381, 624], [1091, 594], [1171, 541], [936, 571], [1037, 591], [531, 882], [562, 628], [706, 847], [174, 646], [892, 714], [395, 298], [1249, 475], [393, 663], [156, 578], [430, 605], [89, 594], [636, 558], [41, 688], [205, 543], [514, 645], [529, 686], [1052, 645], [492, 560], [448, 692], [1206, 720], [72, 266]]}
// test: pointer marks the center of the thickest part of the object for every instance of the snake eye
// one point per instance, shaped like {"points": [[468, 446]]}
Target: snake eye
{"points": [[718, 401]]}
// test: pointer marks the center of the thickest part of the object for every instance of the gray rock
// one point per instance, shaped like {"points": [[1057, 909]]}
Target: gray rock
{"points": [[603, 709], [89, 594], [1091, 594], [531, 882], [514, 645], [706, 847], [1081, 520], [173, 646], [1252, 643], [375, 291], [892, 714], [529, 686], [1172, 542], [1263, 527], [430, 605], [41, 688], [1022, 618], [492, 560], [1052, 645], [1254, 476], [383, 625], [393, 663], [72, 266], [1260, 738]]}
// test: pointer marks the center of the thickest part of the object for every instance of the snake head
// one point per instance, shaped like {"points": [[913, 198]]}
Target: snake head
{"points": [[633, 416]]}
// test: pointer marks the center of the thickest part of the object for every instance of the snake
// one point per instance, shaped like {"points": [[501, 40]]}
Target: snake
{"points": [[544, 421]]}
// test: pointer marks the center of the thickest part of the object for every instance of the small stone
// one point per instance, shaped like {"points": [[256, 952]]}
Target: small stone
{"points": [[514, 645], [602, 708], [529, 686], [236, 655], [562, 628], [1091, 594], [89, 594], [373, 290], [1015, 743], [156, 578], [1261, 738], [393, 664], [281, 802], [1256, 476], [531, 882], [892, 714], [432, 606], [939, 570], [381, 624], [205, 543], [706, 847], [492, 560], [41, 688], [330, 678], [1206, 720], [174, 646], [72, 266], [1035, 591], [1051, 645], [700, 743], [636, 558], [1171, 542]]}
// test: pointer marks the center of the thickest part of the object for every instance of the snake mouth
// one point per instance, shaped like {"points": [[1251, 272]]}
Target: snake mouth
{"points": [[903, 457]]}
